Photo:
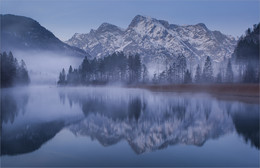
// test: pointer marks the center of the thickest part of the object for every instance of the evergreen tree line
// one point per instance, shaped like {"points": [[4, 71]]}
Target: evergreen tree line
{"points": [[12, 72], [246, 55], [178, 73], [130, 70], [116, 67]]}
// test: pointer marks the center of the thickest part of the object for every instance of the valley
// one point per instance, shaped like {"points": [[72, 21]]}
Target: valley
{"points": [[129, 83]]}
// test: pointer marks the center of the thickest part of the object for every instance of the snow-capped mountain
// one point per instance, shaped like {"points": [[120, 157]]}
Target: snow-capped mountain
{"points": [[156, 41]]}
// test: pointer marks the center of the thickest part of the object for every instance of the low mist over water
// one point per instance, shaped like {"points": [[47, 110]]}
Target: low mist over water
{"points": [[44, 66], [137, 123]]}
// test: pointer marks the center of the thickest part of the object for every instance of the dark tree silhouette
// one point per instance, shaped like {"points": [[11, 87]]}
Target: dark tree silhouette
{"points": [[181, 66], [62, 77], [13, 73], [187, 77], [246, 55], [219, 77], [198, 74], [207, 75], [229, 72], [114, 68]]}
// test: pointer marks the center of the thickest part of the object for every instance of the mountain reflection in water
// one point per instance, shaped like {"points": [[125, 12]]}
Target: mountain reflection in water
{"points": [[147, 121]]}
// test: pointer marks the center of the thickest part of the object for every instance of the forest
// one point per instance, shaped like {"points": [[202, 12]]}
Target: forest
{"points": [[12, 72], [116, 67], [130, 70], [246, 55]]}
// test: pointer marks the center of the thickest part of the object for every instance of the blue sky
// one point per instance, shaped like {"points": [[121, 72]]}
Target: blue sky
{"points": [[66, 17]]}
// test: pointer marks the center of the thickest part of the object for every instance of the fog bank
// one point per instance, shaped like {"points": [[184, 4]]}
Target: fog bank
{"points": [[44, 67]]}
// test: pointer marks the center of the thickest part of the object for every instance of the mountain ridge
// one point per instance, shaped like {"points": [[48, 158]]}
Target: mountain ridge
{"points": [[157, 41]]}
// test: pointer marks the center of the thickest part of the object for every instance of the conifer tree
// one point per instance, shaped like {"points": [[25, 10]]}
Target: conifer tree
{"points": [[137, 68], [207, 75], [181, 66], [219, 77], [70, 75], [198, 74], [144, 74], [62, 77], [187, 77], [229, 72], [155, 79], [13, 73], [250, 75], [170, 75], [22, 74]]}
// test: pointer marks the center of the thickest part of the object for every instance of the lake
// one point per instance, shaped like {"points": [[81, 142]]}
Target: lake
{"points": [[48, 126]]}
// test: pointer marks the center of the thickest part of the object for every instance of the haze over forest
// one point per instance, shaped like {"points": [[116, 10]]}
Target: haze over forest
{"points": [[162, 53]]}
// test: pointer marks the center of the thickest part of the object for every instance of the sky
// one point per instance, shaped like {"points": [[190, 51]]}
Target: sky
{"points": [[66, 17]]}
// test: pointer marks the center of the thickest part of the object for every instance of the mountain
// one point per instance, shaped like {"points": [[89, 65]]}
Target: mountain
{"points": [[156, 41], [23, 33]]}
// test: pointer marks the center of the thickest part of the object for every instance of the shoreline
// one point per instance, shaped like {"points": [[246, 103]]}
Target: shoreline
{"points": [[248, 93]]}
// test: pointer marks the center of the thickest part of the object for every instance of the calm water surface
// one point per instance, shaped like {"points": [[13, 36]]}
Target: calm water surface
{"points": [[95, 126]]}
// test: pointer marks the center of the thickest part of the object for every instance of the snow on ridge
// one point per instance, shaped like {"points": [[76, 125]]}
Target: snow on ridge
{"points": [[153, 39]]}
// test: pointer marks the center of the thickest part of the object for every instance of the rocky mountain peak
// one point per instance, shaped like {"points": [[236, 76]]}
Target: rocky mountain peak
{"points": [[202, 25], [165, 23], [107, 27], [137, 19]]}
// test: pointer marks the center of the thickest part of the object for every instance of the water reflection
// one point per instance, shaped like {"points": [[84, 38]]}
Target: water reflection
{"points": [[13, 102], [246, 122], [153, 121], [147, 121], [24, 128], [28, 138]]}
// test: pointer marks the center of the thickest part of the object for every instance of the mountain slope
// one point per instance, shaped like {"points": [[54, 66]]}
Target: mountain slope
{"points": [[156, 41], [23, 33]]}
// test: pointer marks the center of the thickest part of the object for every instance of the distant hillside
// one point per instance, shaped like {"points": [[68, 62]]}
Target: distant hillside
{"points": [[23, 33]]}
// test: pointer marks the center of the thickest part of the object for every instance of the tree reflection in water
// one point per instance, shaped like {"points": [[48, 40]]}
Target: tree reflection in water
{"points": [[246, 122], [153, 121], [147, 121], [13, 102]]}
